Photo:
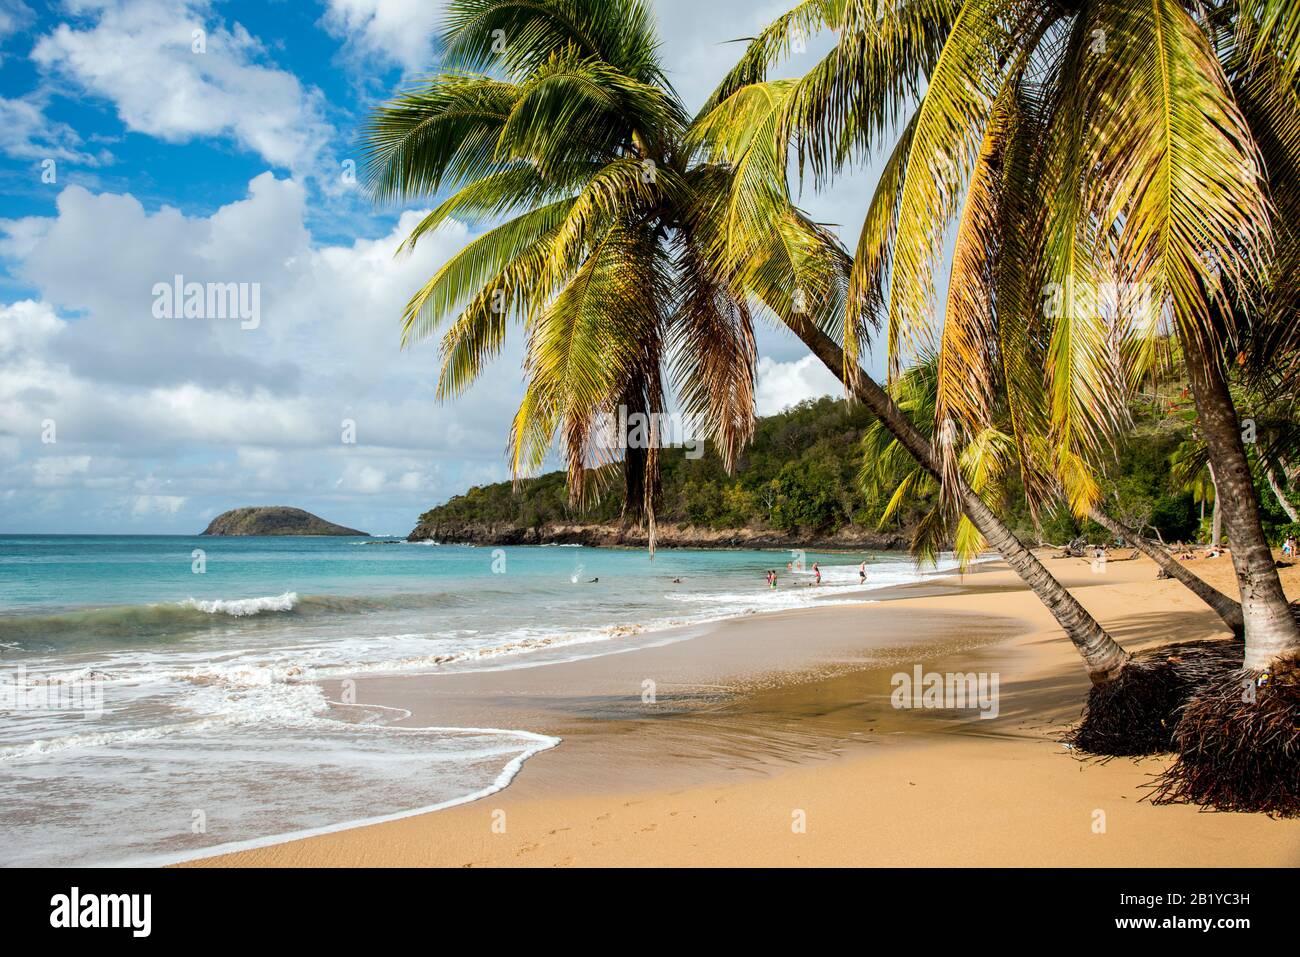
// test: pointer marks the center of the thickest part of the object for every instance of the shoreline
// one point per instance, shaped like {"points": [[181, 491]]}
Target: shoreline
{"points": [[251, 701], [503, 780], [653, 638], [759, 719]]}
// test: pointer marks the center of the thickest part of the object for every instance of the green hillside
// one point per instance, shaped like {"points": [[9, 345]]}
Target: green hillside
{"points": [[798, 476]]}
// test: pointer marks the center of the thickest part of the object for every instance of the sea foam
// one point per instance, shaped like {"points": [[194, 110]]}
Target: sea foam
{"points": [[243, 607]]}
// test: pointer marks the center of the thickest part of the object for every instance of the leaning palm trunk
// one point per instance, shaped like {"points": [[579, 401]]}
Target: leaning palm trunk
{"points": [[1102, 655], [1224, 607], [1270, 630], [1279, 494]]}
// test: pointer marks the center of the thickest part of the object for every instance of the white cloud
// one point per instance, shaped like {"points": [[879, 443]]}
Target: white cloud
{"points": [[56, 470], [25, 327], [327, 347], [141, 55], [397, 31], [26, 133], [216, 416], [157, 504], [176, 420], [783, 384], [14, 16], [365, 479], [697, 50], [112, 283], [702, 41]]}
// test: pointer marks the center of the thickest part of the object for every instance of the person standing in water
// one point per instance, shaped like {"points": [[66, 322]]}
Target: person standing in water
{"points": [[862, 573], [818, 572]]}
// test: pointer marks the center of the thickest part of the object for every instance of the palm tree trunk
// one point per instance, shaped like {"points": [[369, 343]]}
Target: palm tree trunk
{"points": [[1288, 472], [1279, 494], [1216, 522], [1270, 629], [1224, 607], [1102, 655]]}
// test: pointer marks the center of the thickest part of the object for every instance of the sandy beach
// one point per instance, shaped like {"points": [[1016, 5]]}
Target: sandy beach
{"points": [[772, 740]]}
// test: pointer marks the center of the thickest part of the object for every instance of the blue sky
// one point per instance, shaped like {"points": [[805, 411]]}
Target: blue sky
{"points": [[209, 139]]}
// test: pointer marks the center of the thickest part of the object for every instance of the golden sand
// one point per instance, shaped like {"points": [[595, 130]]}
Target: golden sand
{"points": [[772, 740]]}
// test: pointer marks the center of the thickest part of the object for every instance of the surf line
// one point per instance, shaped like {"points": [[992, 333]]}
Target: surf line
{"points": [[540, 743]]}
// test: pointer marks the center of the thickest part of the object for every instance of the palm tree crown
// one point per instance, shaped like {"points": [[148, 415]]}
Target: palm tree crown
{"points": [[1107, 173], [553, 120]]}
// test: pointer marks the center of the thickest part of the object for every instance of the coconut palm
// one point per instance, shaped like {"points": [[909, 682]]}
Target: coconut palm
{"points": [[891, 479], [554, 120], [800, 273], [1190, 465], [1273, 431], [1185, 117], [556, 116], [985, 462]]}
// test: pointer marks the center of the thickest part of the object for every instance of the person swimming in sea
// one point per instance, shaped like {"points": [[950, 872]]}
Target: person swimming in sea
{"points": [[593, 581]]}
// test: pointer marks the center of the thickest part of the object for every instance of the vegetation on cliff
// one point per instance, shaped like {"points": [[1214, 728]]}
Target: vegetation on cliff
{"points": [[799, 477]]}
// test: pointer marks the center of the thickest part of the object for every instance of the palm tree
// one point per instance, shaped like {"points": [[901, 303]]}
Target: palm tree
{"points": [[1187, 120], [1279, 493], [891, 479], [985, 462], [615, 259], [1273, 431], [555, 116], [801, 274], [1191, 469]]}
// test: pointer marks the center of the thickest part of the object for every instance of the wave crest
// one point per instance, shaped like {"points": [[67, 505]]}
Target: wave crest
{"points": [[243, 607]]}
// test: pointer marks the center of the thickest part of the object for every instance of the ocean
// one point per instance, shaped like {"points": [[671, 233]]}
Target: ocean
{"points": [[159, 695]]}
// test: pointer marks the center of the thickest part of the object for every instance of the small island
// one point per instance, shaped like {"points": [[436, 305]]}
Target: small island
{"points": [[274, 520]]}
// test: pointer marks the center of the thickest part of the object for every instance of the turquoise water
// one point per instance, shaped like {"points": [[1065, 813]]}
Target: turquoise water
{"points": [[162, 692]]}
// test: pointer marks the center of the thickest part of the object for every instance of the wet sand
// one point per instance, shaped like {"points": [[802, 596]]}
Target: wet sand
{"points": [[772, 740]]}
